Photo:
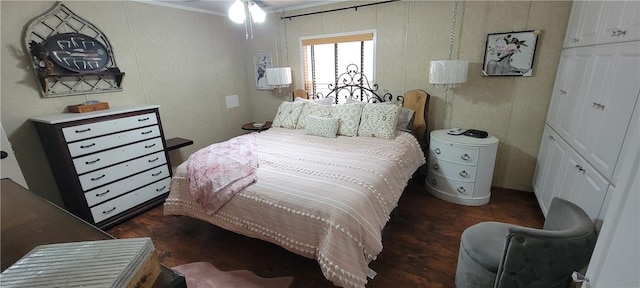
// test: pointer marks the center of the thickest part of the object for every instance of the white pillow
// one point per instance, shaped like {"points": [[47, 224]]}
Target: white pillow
{"points": [[311, 108], [379, 121], [321, 126], [328, 101], [349, 115], [288, 114]]}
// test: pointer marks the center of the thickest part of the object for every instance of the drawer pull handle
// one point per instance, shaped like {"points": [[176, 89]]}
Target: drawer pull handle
{"points": [[563, 92], [435, 166], [434, 182], [153, 160], [162, 188], [147, 132], [98, 178], [149, 146], [618, 33], [580, 169], [156, 174], [83, 130], [463, 173], [437, 151], [92, 162], [87, 146], [103, 193], [143, 119], [109, 211], [461, 190], [465, 157]]}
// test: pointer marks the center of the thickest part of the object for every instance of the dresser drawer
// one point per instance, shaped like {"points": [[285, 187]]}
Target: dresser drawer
{"points": [[85, 131], [454, 153], [125, 185], [99, 160], [105, 142], [452, 170], [452, 187], [116, 206], [107, 175]]}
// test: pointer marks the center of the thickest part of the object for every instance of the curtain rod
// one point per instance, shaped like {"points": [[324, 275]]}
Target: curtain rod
{"points": [[338, 9]]}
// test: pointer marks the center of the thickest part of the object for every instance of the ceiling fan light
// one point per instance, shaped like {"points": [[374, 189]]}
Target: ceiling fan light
{"points": [[257, 14], [236, 12]]}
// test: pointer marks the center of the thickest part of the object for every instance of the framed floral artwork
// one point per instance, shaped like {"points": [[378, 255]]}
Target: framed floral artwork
{"points": [[262, 61], [510, 54]]}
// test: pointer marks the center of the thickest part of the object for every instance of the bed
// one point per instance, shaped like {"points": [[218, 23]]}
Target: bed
{"points": [[325, 198]]}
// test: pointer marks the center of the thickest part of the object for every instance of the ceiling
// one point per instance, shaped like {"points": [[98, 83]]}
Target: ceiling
{"points": [[220, 7]]}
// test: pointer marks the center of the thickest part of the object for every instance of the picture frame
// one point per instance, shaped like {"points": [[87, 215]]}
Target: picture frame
{"points": [[262, 61], [510, 53]]}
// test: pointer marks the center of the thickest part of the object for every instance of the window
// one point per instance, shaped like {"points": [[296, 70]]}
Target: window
{"points": [[325, 57]]}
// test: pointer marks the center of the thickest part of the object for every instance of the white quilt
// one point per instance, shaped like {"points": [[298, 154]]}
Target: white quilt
{"points": [[323, 198]]}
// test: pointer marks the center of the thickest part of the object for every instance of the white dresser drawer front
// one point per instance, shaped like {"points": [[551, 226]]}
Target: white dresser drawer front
{"points": [[125, 185], [105, 142], [130, 200], [454, 153], [452, 170], [99, 160], [452, 187], [104, 176], [85, 131]]}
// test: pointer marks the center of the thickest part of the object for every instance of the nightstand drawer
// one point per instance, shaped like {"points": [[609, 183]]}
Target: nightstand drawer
{"points": [[100, 177], [452, 170], [130, 200], [452, 187], [125, 185], [105, 142], [99, 160], [106, 127], [454, 153]]}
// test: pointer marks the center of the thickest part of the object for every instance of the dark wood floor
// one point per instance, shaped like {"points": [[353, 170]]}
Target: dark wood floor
{"points": [[421, 241]]}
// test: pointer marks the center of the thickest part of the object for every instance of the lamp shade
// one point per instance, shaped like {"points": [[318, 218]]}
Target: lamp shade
{"points": [[257, 14], [448, 73], [279, 77], [236, 12]]}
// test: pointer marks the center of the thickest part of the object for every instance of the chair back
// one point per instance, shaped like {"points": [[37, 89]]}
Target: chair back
{"points": [[547, 257]]}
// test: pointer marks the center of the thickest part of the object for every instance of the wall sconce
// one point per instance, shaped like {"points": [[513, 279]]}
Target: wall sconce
{"points": [[448, 73], [279, 77]]}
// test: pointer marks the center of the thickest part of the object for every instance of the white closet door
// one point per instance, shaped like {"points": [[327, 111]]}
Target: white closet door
{"points": [[573, 97], [10, 168]]}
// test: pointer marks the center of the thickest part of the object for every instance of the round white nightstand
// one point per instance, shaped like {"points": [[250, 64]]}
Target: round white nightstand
{"points": [[461, 167]]}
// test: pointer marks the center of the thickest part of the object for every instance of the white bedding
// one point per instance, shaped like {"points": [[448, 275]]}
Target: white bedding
{"points": [[323, 198]]}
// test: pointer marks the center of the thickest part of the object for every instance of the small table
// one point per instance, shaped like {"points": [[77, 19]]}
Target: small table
{"points": [[249, 126]]}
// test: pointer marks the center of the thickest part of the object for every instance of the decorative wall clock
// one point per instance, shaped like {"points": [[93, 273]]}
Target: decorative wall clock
{"points": [[71, 56]]}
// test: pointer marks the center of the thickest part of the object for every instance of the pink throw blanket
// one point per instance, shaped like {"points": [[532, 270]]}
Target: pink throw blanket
{"points": [[221, 170]]}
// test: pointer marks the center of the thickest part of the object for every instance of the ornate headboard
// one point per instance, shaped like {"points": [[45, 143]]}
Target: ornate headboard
{"points": [[354, 85]]}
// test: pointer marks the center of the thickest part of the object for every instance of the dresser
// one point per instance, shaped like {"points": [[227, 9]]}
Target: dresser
{"points": [[109, 165], [461, 167]]}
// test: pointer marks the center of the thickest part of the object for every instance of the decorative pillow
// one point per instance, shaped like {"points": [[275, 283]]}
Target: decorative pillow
{"points": [[379, 121], [314, 109], [288, 114], [349, 115], [405, 117], [323, 101], [321, 126]]}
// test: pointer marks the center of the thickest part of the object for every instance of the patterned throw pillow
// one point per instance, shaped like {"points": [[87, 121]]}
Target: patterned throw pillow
{"points": [[349, 115], [314, 109], [379, 121], [287, 115], [321, 126], [328, 101]]}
